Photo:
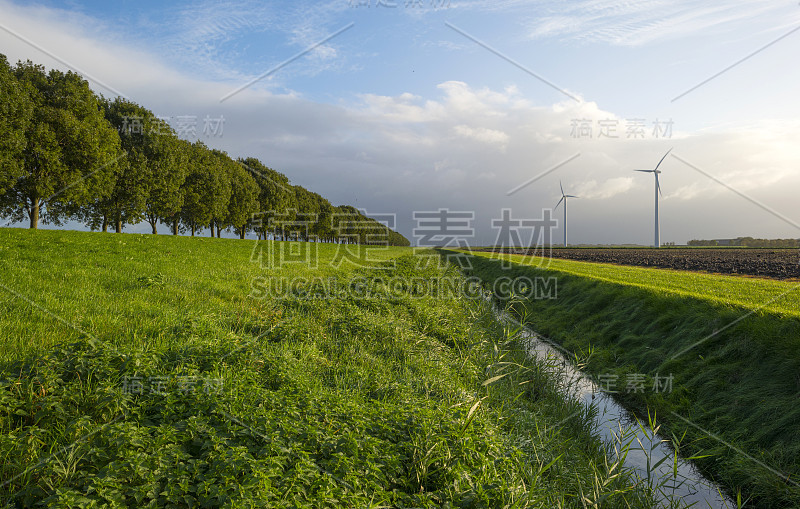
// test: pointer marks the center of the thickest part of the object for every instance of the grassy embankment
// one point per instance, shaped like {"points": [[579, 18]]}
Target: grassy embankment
{"points": [[731, 343], [152, 371]]}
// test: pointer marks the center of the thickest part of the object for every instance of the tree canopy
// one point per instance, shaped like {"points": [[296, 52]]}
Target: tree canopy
{"points": [[70, 154], [67, 153]]}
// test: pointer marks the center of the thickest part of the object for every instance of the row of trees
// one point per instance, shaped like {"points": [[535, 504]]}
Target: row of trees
{"points": [[748, 242], [69, 154]]}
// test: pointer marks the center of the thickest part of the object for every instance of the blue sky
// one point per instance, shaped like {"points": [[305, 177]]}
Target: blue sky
{"points": [[405, 111]]}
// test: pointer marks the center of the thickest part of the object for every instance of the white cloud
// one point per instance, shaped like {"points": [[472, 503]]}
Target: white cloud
{"points": [[491, 137], [403, 108], [602, 190], [459, 97]]}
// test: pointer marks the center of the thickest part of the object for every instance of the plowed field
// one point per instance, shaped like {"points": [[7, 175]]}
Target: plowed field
{"points": [[772, 263]]}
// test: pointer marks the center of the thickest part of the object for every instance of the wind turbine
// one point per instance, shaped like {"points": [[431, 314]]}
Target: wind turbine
{"points": [[655, 172], [564, 199]]}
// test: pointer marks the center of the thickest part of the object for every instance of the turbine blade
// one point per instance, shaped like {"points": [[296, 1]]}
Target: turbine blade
{"points": [[562, 188], [662, 159], [645, 171], [559, 203], [658, 185]]}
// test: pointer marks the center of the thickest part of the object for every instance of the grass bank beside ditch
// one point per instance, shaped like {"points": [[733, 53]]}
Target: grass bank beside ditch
{"points": [[155, 371], [732, 345]]}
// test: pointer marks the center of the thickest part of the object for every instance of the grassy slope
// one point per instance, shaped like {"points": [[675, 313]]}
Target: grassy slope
{"points": [[740, 382], [320, 402], [769, 295]]}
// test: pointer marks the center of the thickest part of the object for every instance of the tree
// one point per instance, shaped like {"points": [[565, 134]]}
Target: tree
{"points": [[66, 152], [345, 224], [397, 239], [244, 199], [71, 152], [167, 195], [147, 186], [222, 193], [323, 228], [15, 115], [206, 189], [306, 213], [275, 198], [128, 198]]}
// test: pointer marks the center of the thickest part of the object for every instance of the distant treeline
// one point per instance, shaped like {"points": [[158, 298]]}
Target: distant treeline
{"points": [[69, 154], [747, 242]]}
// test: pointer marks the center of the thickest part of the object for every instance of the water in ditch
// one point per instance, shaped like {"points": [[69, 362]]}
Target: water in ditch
{"points": [[671, 482]]}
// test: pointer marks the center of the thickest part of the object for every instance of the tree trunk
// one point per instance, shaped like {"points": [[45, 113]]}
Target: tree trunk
{"points": [[175, 227], [219, 231], [241, 233], [105, 223], [154, 226], [33, 213], [192, 229], [118, 226]]}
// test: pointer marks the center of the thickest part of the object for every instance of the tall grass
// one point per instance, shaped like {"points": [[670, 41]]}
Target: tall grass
{"points": [[767, 295], [735, 361], [402, 399]]}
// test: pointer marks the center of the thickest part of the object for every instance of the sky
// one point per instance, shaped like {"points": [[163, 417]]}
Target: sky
{"points": [[404, 106]]}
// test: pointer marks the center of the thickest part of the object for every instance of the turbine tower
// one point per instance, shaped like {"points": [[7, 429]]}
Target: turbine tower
{"points": [[655, 171], [564, 199]]}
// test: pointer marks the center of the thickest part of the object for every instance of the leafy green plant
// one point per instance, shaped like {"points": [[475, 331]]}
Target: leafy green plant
{"points": [[195, 393]]}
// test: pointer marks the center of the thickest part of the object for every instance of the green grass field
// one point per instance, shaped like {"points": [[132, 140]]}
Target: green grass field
{"points": [[157, 371], [767, 295], [731, 343]]}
